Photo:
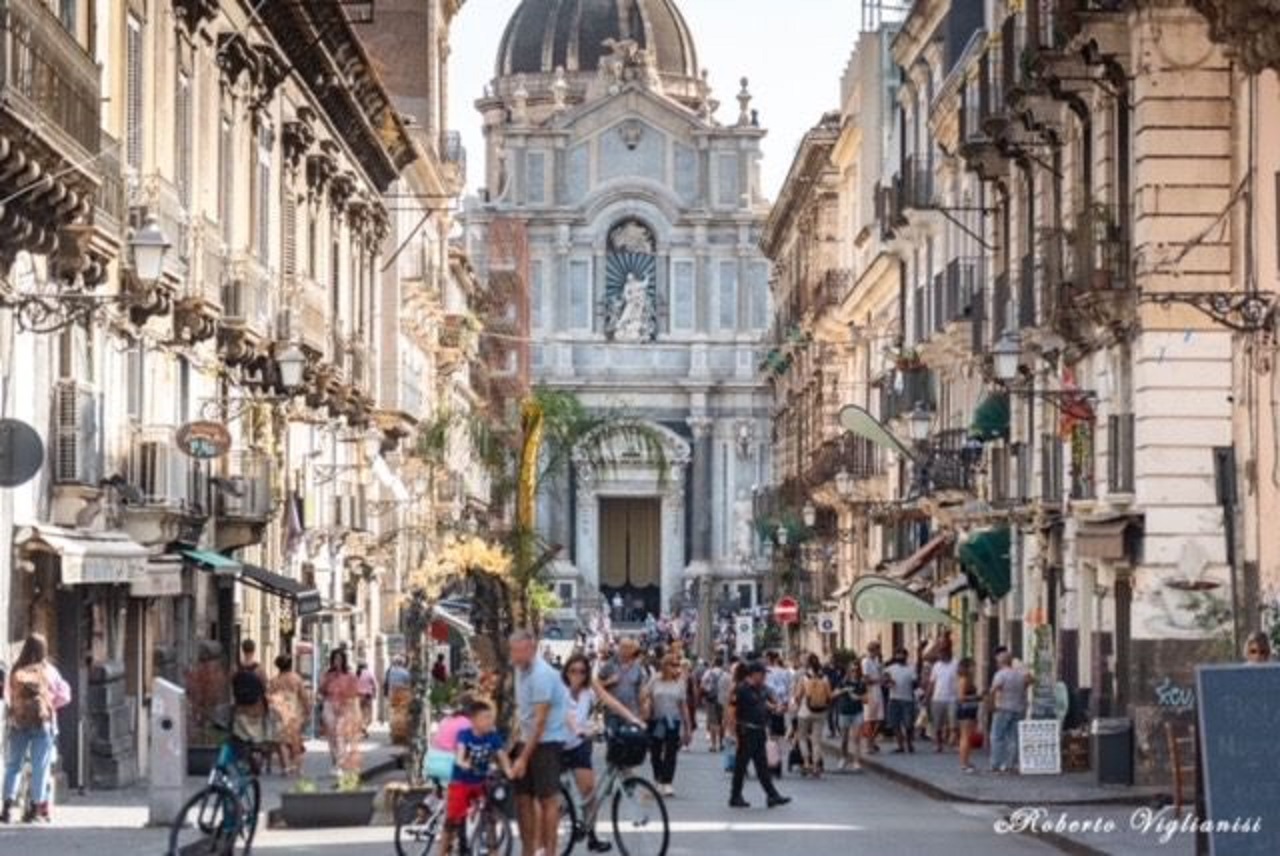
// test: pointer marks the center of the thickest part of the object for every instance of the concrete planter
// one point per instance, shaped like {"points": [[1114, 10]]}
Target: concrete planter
{"points": [[327, 808]]}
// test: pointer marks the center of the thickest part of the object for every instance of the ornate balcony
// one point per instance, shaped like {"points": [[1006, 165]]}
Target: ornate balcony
{"points": [[246, 502], [199, 304], [49, 127]]}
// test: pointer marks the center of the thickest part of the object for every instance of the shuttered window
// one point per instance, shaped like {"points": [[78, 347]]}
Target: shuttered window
{"points": [[133, 94], [289, 232], [262, 195]]}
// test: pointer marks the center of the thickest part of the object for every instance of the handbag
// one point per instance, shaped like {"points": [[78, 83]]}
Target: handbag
{"points": [[772, 754], [729, 754], [438, 765]]}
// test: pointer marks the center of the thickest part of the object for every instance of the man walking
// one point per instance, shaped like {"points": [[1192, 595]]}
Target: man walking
{"points": [[902, 701], [941, 693], [1009, 698], [542, 708], [624, 679], [751, 719]]}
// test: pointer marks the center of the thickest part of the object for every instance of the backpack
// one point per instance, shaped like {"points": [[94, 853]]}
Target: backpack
{"points": [[817, 693], [710, 682], [724, 689], [32, 704]]}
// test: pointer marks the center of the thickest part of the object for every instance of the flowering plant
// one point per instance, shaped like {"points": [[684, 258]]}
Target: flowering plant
{"points": [[458, 559]]}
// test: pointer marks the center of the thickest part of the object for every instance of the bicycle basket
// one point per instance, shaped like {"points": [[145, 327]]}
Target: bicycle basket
{"points": [[628, 746], [438, 765]]}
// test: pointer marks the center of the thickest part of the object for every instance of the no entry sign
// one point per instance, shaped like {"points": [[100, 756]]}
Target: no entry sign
{"points": [[786, 611]]}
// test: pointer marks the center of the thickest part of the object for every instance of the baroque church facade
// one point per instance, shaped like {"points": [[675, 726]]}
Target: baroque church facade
{"points": [[637, 213]]}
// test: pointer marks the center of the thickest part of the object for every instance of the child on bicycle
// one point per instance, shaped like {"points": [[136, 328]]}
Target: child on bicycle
{"points": [[477, 747]]}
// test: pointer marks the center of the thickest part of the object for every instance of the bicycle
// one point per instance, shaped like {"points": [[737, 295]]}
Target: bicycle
{"points": [[486, 831], [635, 804], [224, 813]]}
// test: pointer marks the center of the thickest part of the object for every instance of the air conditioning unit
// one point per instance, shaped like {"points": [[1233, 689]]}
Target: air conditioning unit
{"points": [[249, 492], [76, 456], [285, 324]]}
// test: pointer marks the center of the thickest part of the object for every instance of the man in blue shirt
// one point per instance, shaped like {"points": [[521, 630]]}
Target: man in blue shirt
{"points": [[542, 708]]}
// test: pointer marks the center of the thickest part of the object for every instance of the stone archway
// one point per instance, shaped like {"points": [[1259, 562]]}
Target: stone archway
{"points": [[631, 483]]}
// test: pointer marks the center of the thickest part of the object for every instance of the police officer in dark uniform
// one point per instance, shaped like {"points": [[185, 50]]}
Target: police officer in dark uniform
{"points": [[753, 711]]}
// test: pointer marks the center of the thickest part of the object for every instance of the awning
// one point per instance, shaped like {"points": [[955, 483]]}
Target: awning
{"points": [[97, 558], [877, 598], [212, 561], [456, 622], [985, 559], [1109, 539], [991, 419], [912, 565], [307, 599], [163, 578]]}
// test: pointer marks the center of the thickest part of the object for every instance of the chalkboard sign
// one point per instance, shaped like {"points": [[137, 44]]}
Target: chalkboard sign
{"points": [[1239, 712]]}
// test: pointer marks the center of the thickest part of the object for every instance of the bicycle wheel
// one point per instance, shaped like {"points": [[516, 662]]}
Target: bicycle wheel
{"points": [[250, 803], [491, 834], [567, 832], [640, 824], [208, 824], [418, 824]]}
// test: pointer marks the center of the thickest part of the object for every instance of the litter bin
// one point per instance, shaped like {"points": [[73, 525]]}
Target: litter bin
{"points": [[1111, 747]]}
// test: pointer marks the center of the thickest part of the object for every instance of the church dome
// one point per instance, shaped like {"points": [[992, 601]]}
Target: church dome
{"points": [[544, 35]]}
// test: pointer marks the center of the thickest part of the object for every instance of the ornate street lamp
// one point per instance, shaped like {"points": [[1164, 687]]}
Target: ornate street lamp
{"points": [[780, 535], [919, 421], [149, 245], [844, 483], [809, 514], [1006, 359], [291, 363]]}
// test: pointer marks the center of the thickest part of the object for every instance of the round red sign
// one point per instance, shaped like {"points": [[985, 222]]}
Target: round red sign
{"points": [[786, 610]]}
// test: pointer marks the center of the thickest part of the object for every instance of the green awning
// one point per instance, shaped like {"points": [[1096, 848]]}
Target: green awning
{"points": [[991, 419], [877, 598], [213, 561], [985, 559]]}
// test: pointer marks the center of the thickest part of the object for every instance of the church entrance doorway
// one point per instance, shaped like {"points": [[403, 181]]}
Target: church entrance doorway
{"points": [[631, 556]]}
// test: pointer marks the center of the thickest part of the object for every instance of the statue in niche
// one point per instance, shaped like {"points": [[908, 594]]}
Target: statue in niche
{"points": [[633, 318], [631, 284]]}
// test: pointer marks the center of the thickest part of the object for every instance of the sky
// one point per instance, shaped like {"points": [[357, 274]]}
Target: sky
{"points": [[793, 52]]}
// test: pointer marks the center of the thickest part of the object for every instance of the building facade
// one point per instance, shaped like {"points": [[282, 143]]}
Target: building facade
{"points": [[637, 214], [1078, 369], [219, 425]]}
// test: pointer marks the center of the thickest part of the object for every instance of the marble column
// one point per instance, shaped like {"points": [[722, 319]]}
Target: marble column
{"points": [[703, 451]]}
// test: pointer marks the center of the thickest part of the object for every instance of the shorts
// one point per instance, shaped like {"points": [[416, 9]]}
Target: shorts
{"points": [[577, 758], [777, 724], [902, 714], [715, 714], [541, 779], [461, 796], [967, 711], [849, 720], [942, 714]]}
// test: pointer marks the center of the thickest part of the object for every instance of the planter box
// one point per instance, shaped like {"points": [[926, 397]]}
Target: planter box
{"points": [[327, 808], [200, 759]]}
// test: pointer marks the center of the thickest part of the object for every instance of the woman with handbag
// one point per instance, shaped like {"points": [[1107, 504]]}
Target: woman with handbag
{"points": [[669, 725]]}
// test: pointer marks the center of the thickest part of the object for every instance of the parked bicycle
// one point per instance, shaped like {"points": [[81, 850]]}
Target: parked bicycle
{"points": [[486, 831], [638, 814], [222, 818]]}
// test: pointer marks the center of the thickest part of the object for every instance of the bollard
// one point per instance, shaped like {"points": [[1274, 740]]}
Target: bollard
{"points": [[167, 765]]}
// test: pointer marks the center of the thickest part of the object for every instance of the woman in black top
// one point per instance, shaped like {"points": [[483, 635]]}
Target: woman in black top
{"points": [[851, 697]]}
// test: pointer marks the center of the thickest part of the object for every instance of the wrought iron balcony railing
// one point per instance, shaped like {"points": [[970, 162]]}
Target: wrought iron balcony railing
{"points": [[47, 80]]}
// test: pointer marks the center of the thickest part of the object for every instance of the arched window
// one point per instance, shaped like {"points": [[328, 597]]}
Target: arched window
{"points": [[631, 284]]}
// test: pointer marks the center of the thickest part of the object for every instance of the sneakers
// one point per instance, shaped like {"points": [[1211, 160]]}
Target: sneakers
{"points": [[667, 790], [774, 802], [6, 811], [595, 845]]}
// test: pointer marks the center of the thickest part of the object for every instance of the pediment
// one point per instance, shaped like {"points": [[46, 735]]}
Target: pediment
{"points": [[631, 104]]}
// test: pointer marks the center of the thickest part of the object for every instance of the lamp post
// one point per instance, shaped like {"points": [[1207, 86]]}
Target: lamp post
{"points": [[1009, 375], [149, 245], [809, 514]]}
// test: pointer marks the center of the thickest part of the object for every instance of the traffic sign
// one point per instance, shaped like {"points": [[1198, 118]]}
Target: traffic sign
{"points": [[786, 611]]}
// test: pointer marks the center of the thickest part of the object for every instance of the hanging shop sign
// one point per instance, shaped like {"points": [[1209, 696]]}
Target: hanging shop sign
{"points": [[203, 440]]}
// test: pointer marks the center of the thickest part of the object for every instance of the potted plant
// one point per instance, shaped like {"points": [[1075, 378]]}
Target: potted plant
{"points": [[348, 802]]}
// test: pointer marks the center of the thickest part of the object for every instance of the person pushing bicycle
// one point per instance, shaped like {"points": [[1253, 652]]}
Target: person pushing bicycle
{"points": [[477, 748]]}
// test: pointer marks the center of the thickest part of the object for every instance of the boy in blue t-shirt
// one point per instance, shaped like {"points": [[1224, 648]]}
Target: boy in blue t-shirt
{"points": [[477, 747]]}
